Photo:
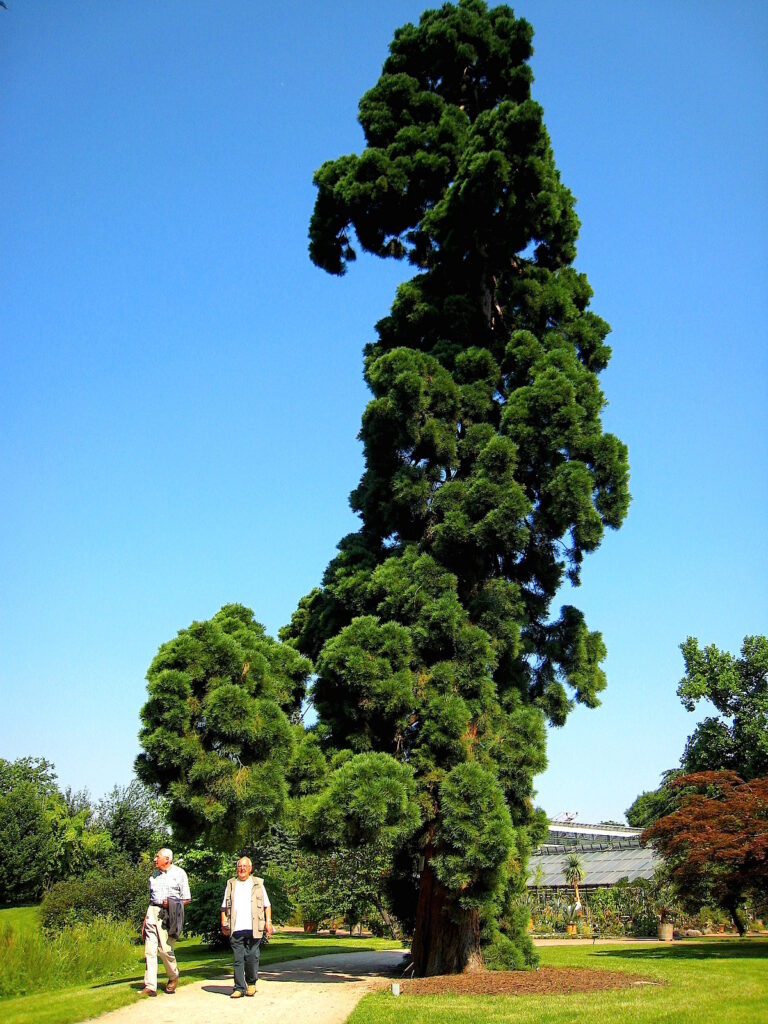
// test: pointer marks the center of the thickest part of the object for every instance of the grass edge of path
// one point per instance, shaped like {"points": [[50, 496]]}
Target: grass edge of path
{"points": [[84, 1002]]}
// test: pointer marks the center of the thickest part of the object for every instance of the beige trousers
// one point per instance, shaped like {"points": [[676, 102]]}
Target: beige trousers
{"points": [[157, 944]]}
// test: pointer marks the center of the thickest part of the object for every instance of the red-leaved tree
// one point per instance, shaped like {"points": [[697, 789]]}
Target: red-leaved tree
{"points": [[716, 843]]}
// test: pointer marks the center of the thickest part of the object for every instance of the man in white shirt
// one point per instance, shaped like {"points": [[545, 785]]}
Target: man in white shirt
{"points": [[246, 915], [168, 882]]}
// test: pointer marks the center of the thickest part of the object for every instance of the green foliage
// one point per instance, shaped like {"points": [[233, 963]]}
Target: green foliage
{"points": [[217, 728], [37, 772], [134, 819], [369, 798], [627, 908], [365, 673], [27, 845], [30, 960], [44, 835], [738, 688], [504, 954], [574, 871], [208, 870], [343, 885], [736, 740], [488, 475], [477, 835], [655, 803], [119, 894]]}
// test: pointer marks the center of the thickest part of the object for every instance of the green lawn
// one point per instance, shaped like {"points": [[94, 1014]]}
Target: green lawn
{"points": [[20, 918], [724, 981], [66, 1006]]}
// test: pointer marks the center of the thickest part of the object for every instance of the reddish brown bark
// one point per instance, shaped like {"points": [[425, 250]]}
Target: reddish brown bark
{"points": [[446, 939]]}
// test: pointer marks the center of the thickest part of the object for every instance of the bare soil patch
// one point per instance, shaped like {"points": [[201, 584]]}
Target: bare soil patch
{"points": [[553, 981]]}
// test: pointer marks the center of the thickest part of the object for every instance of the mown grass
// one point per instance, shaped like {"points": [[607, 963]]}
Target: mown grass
{"points": [[20, 918], [121, 987], [722, 981]]}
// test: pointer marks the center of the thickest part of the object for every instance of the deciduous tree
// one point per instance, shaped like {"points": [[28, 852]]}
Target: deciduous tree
{"points": [[736, 740], [488, 475], [45, 835], [716, 842], [135, 820]]}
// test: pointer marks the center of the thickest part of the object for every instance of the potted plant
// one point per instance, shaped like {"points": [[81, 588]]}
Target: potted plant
{"points": [[571, 917], [666, 904], [574, 873]]}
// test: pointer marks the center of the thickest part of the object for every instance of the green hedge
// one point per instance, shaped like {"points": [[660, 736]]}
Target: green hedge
{"points": [[120, 894], [203, 915]]}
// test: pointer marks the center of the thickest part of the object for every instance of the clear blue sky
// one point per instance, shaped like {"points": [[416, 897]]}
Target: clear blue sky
{"points": [[182, 389]]}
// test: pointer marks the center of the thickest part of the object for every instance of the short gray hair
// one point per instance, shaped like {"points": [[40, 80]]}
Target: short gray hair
{"points": [[167, 853]]}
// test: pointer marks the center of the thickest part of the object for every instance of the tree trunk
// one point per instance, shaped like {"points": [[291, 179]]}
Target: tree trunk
{"points": [[446, 940], [385, 917], [737, 913]]}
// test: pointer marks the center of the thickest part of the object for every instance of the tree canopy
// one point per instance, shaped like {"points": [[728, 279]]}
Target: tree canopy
{"points": [[736, 740], [219, 727], [134, 818], [45, 835], [716, 842], [488, 475]]}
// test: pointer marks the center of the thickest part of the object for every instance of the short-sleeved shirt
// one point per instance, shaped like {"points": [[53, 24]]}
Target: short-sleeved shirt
{"points": [[165, 884], [241, 903]]}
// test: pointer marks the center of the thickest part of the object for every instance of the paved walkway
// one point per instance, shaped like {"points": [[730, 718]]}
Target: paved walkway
{"points": [[317, 990]]}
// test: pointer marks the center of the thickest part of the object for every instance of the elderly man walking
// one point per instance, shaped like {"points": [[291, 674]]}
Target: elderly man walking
{"points": [[168, 894], [246, 915]]}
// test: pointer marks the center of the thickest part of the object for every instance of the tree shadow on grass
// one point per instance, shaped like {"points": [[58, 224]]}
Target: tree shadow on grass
{"points": [[736, 949], [204, 971]]}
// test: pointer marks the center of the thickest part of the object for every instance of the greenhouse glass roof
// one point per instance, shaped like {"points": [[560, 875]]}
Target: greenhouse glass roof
{"points": [[608, 853]]}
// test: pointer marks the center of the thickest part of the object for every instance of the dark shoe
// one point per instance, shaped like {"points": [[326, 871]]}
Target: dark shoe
{"points": [[147, 992], [237, 994], [170, 988], [251, 990]]}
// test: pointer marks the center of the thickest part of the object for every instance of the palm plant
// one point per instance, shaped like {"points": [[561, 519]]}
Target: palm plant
{"points": [[574, 873]]}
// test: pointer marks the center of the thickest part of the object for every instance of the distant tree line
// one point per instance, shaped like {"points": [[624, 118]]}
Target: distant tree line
{"points": [[48, 834], [89, 858]]}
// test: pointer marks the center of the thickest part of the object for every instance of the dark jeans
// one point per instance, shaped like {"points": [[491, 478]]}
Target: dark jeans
{"points": [[246, 952]]}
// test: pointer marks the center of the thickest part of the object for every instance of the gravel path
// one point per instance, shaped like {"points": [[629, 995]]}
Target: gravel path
{"points": [[317, 990]]}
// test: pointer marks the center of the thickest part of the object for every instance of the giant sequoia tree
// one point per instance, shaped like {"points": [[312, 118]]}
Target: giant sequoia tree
{"points": [[487, 478], [219, 729]]}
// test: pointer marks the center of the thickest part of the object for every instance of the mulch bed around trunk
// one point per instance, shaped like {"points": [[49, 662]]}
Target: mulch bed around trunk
{"points": [[552, 981]]}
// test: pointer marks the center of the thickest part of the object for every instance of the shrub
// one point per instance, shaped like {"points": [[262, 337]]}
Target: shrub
{"points": [[119, 894], [31, 960], [203, 915], [502, 954]]}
